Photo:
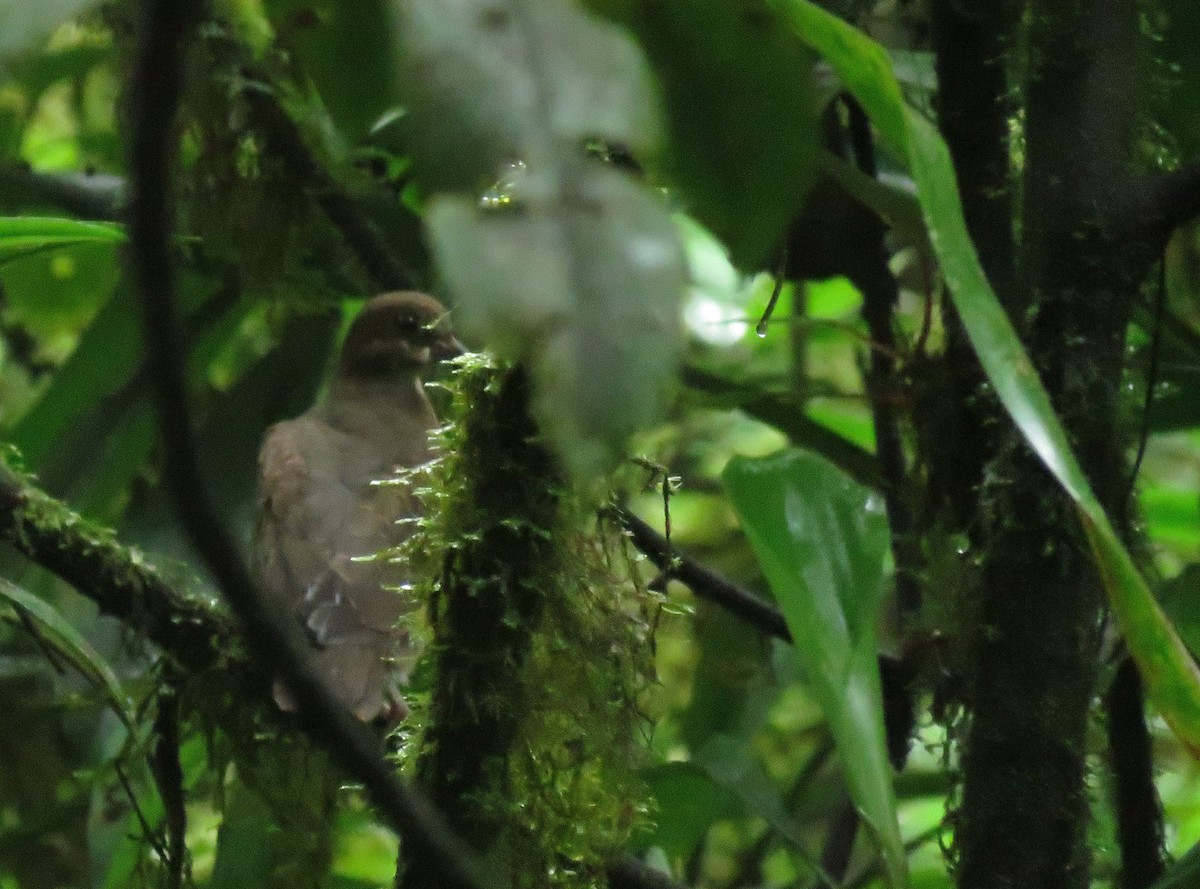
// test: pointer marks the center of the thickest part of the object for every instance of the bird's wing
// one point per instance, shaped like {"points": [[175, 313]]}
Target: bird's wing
{"points": [[319, 516]]}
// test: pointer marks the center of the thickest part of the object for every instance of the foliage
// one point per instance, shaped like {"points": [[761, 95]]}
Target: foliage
{"points": [[612, 196]]}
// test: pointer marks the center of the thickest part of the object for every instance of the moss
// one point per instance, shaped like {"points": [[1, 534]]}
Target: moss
{"points": [[540, 648]]}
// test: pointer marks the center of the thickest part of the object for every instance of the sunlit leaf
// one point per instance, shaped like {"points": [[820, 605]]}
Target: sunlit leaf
{"points": [[821, 540], [587, 288], [24, 235], [1184, 873], [1171, 676]]}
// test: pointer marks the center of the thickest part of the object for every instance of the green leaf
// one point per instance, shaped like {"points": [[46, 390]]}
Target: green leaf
{"points": [[588, 288], [1171, 676], [244, 842], [568, 266], [491, 82], [106, 357], [688, 801], [55, 631], [356, 93], [740, 112], [1182, 604], [731, 765], [25, 235], [821, 540], [1176, 100]]}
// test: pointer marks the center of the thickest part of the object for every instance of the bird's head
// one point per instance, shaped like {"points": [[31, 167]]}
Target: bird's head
{"points": [[398, 334]]}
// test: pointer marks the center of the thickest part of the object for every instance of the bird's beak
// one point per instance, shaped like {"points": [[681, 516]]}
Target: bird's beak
{"points": [[448, 347]]}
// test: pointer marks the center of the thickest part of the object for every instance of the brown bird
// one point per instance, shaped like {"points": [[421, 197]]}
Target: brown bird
{"points": [[322, 518]]}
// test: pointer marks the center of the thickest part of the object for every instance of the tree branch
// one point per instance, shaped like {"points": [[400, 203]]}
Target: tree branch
{"points": [[704, 583], [1136, 804], [155, 89], [115, 578], [99, 196], [361, 233]]}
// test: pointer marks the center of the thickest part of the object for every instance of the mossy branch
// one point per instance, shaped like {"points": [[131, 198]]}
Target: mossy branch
{"points": [[118, 579], [541, 649]]}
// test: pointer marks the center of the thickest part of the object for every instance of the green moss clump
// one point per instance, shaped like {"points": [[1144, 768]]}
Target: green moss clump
{"points": [[541, 648]]}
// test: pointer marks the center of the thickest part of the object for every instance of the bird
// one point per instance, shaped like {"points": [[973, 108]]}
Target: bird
{"points": [[323, 518]]}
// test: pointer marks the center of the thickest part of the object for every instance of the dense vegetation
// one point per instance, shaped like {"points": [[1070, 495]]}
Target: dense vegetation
{"points": [[818, 509]]}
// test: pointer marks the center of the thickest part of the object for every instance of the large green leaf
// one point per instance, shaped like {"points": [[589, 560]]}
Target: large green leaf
{"points": [[732, 766], [570, 267], [243, 842], [355, 94], [688, 801], [490, 82], [587, 287], [741, 113], [1172, 678], [821, 540], [56, 632], [1184, 873]]}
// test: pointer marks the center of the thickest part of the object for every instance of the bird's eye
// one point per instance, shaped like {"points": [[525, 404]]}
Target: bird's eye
{"points": [[406, 325]]}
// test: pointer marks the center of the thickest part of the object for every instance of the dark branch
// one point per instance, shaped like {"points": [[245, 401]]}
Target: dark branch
{"points": [[1153, 208], [786, 414], [360, 232], [874, 279], [155, 90], [704, 583], [1136, 804], [98, 196], [633, 873], [168, 778], [115, 578]]}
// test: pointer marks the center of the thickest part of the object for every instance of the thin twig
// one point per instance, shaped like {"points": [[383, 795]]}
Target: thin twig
{"points": [[155, 90], [880, 294], [776, 290], [150, 835], [703, 582]]}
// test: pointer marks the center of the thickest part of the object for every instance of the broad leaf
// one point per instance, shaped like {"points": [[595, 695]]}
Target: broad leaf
{"points": [[741, 113], [587, 288], [1171, 676], [56, 632], [23, 25], [243, 843], [689, 801], [490, 83], [1184, 873], [821, 540], [24, 235], [733, 767], [570, 267]]}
